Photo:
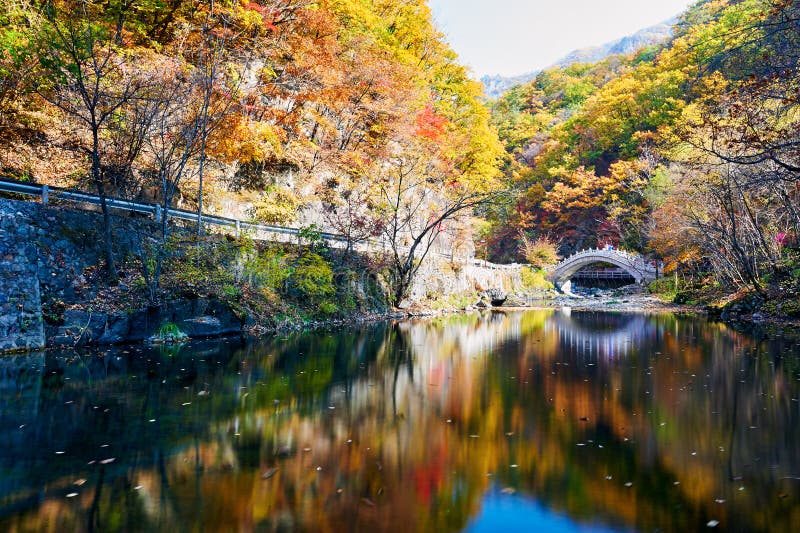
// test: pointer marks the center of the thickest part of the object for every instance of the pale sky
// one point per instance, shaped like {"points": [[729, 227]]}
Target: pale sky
{"points": [[512, 37]]}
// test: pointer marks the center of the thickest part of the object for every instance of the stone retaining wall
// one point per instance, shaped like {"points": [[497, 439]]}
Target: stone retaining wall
{"points": [[440, 278], [44, 253], [21, 325]]}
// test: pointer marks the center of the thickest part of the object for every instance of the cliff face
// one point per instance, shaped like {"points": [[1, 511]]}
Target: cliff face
{"points": [[494, 86]]}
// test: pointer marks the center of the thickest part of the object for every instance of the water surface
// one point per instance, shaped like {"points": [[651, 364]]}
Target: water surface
{"points": [[529, 421]]}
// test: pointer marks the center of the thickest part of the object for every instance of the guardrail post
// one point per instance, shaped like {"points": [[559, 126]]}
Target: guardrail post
{"points": [[238, 228], [157, 213], [45, 194]]}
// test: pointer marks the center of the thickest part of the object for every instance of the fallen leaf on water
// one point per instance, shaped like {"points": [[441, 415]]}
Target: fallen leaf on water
{"points": [[80, 482], [269, 473], [712, 523], [367, 501], [72, 494], [508, 490], [109, 460], [629, 484]]}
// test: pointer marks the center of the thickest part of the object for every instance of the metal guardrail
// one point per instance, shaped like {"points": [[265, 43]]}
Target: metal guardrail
{"points": [[47, 193]]}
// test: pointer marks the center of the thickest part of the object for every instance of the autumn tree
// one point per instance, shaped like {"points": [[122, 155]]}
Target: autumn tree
{"points": [[416, 203], [352, 208], [18, 25], [540, 252], [86, 74], [178, 117]]}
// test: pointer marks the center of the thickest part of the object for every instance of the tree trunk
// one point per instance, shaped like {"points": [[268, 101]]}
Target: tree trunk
{"points": [[108, 241]]}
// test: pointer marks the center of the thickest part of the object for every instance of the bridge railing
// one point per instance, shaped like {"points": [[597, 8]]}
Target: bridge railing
{"points": [[601, 274]]}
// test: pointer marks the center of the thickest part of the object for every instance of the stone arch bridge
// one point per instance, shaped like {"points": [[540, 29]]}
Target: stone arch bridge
{"points": [[641, 270]]}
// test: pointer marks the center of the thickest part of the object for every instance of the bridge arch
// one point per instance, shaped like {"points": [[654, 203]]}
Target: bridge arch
{"points": [[640, 270]]}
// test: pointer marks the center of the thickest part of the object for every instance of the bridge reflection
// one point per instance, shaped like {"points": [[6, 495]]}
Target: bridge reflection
{"points": [[597, 335], [618, 333]]}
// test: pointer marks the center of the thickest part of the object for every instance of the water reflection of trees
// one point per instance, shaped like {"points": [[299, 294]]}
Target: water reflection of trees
{"points": [[406, 426]]}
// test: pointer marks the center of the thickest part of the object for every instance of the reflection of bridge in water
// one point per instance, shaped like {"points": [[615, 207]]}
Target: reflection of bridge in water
{"points": [[599, 335], [617, 334]]}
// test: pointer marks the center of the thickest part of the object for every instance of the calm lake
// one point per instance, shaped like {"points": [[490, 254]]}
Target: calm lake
{"points": [[529, 421]]}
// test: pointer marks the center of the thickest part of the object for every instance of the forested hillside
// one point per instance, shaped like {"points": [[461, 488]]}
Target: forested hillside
{"points": [[280, 100], [356, 115], [689, 152], [348, 115]]}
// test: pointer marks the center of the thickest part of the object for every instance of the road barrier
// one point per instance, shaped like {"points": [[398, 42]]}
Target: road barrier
{"points": [[48, 194]]}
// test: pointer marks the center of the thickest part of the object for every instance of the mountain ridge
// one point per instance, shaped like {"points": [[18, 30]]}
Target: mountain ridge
{"points": [[496, 85]]}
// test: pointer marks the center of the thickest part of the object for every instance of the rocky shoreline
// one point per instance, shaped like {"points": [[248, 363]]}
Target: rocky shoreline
{"points": [[203, 319], [200, 319]]}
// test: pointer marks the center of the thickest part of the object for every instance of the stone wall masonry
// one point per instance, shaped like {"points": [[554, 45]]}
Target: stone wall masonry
{"points": [[21, 325], [44, 252], [440, 278]]}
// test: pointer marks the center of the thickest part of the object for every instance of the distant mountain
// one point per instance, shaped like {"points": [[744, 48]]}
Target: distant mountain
{"points": [[494, 86]]}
